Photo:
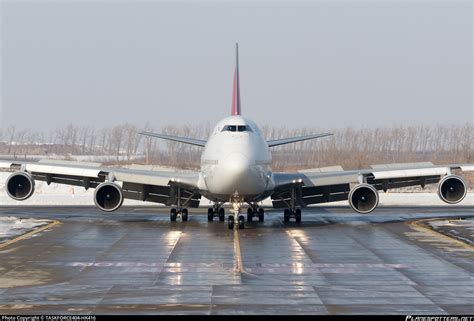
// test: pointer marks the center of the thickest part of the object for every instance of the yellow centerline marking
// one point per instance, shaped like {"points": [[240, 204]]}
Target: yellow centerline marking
{"points": [[417, 225], [31, 233], [238, 257]]}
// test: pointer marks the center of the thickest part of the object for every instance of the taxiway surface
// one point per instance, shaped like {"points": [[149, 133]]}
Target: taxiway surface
{"points": [[334, 262]]}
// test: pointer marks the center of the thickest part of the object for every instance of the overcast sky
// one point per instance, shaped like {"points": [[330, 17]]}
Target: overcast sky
{"points": [[323, 64]]}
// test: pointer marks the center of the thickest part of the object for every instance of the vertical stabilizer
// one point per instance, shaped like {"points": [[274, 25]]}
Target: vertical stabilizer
{"points": [[236, 90]]}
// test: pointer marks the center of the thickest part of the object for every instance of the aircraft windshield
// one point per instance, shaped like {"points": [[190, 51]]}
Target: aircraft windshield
{"points": [[237, 128]]}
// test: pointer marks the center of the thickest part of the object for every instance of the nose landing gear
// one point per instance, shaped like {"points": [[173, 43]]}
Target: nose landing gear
{"points": [[236, 200]]}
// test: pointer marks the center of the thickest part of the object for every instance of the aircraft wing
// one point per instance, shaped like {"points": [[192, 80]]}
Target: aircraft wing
{"points": [[289, 140], [145, 184], [185, 140], [332, 184]]}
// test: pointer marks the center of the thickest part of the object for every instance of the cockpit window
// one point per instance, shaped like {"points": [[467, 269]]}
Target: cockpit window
{"points": [[230, 128], [238, 128]]}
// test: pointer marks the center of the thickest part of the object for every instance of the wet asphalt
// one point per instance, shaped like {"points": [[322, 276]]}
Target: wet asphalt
{"points": [[136, 261]]}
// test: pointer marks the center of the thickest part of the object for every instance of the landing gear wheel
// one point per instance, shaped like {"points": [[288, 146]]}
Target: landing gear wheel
{"points": [[210, 214], [173, 215], [298, 215], [241, 222], [221, 214], [249, 214], [286, 215], [231, 222], [184, 214], [261, 214]]}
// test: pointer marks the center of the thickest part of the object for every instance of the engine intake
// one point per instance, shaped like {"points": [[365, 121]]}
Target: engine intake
{"points": [[452, 189], [20, 186], [108, 197], [363, 198]]}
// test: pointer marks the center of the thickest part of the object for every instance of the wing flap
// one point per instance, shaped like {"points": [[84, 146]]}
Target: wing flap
{"points": [[161, 194]]}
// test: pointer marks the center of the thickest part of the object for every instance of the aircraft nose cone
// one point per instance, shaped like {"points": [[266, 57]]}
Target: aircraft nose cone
{"points": [[237, 163]]}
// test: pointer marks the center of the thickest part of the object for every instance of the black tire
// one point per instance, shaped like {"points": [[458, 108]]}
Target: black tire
{"points": [[173, 215], [184, 215], [286, 215], [261, 214], [231, 222], [249, 214], [210, 214], [298, 215], [241, 222], [221, 214]]}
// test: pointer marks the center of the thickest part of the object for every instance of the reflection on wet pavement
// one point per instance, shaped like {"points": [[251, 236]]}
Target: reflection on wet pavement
{"points": [[135, 261]]}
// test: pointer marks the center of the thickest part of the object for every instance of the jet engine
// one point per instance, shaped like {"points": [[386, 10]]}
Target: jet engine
{"points": [[20, 186], [363, 198], [108, 196], [452, 189]]}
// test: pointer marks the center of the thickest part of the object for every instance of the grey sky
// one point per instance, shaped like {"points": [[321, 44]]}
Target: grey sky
{"points": [[320, 64]]}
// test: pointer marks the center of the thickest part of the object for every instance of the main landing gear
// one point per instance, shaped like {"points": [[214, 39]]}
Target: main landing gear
{"points": [[175, 213], [296, 213], [216, 211], [255, 211], [180, 211], [291, 211]]}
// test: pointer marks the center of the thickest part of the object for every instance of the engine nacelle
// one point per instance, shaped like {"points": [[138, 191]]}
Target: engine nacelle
{"points": [[108, 196], [20, 186], [363, 198], [452, 189]]}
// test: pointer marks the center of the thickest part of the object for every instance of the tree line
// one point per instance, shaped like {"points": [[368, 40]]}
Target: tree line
{"points": [[352, 148]]}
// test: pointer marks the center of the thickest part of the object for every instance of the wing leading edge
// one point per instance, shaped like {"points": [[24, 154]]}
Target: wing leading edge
{"points": [[289, 140], [185, 140]]}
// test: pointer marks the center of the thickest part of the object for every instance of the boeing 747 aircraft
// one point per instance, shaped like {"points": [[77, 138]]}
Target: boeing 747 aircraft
{"points": [[236, 167]]}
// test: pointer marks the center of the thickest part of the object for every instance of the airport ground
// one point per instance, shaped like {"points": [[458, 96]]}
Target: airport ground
{"points": [[136, 261]]}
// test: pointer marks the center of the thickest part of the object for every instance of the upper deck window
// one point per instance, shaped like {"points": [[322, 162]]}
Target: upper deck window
{"points": [[237, 128]]}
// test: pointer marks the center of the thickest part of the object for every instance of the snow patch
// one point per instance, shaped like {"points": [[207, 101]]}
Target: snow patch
{"points": [[11, 226]]}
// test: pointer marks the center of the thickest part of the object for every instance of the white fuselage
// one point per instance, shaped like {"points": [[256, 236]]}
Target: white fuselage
{"points": [[236, 158]]}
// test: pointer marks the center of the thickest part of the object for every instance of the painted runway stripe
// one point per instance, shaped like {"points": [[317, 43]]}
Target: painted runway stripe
{"points": [[238, 256], [418, 226], [31, 233]]}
